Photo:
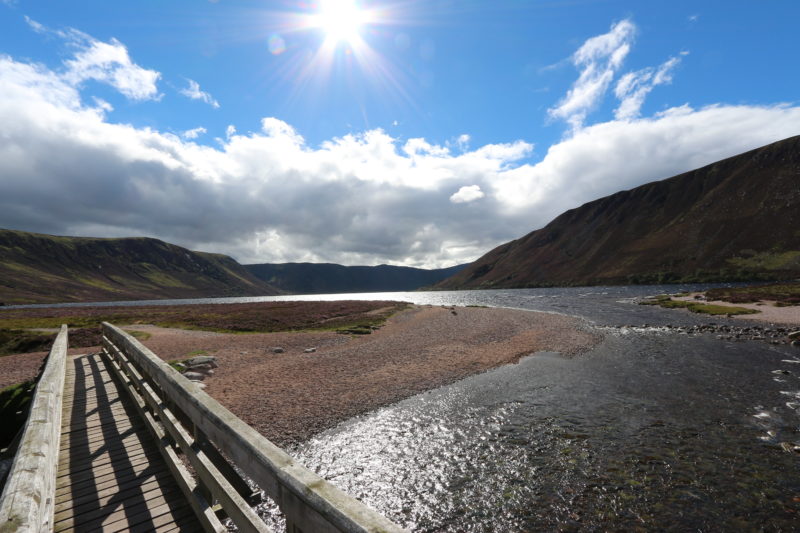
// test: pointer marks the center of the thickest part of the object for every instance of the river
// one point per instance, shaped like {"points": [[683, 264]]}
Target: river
{"points": [[653, 429]]}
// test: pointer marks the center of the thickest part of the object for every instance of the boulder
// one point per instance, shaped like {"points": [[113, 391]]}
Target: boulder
{"points": [[202, 360]]}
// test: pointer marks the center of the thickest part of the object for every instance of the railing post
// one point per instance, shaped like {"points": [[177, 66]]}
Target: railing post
{"points": [[28, 500], [214, 434]]}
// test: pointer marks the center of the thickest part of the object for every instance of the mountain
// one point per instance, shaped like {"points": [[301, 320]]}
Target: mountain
{"points": [[737, 219], [36, 268], [326, 278]]}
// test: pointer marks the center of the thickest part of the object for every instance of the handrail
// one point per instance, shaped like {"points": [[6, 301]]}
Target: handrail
{"points": [[28, 499], [310, 503]]}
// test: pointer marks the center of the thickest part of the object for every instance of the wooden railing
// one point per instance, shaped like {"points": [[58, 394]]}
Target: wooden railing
{"points": [[179, 413], [28, 498]]}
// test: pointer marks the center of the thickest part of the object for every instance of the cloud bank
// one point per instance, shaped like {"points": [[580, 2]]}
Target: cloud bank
{"points": [[367, 198]]}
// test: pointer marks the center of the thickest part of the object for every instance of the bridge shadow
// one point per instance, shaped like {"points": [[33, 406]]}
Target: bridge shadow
{"points": [[111, 475]]}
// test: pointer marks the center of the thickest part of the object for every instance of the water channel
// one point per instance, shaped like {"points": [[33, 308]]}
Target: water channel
{"points": [[653, 429]]}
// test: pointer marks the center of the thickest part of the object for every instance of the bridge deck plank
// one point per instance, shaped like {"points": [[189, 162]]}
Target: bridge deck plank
{"points": [[111, 476]]}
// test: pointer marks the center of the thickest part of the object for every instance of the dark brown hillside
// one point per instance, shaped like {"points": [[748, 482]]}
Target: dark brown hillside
{"points": [[36, 268], [735, 219]]}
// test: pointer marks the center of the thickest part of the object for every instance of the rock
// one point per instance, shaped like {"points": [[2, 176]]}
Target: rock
{"points": [[794, 335], [202, 360], [277, 349], [310, 350], [201, 385], [201, 368], [789, 447], [194, 376], [180, 367]]}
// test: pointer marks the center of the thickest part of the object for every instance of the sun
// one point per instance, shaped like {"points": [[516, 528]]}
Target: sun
{"points": [[341, 20]]}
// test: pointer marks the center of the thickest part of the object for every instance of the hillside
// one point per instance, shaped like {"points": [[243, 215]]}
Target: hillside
{"points": [[737, 219], [36, 268], [326, 278]]}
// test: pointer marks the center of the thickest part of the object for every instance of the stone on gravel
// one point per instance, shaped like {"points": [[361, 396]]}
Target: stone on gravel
{"points": [[277, 349], [202, 368], [194, 376], [202, 360], [310, 350]]}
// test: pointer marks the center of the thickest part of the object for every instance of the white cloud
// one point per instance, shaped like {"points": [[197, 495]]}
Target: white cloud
{"points": [[107, 63], [633, 87], [35, 26], [193, 133], [193, 91], [367, 198], [466, 194], [598, 59], [110, 63]]}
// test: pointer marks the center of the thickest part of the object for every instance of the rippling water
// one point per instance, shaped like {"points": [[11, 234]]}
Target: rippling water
{"points": [[652, 429], [648, 431]]}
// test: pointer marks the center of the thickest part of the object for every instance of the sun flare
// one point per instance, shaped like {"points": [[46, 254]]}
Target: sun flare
{"points": [[341, 20]]}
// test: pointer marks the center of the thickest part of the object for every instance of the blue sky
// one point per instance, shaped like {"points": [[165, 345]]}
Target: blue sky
{"points": [[427, 135]]}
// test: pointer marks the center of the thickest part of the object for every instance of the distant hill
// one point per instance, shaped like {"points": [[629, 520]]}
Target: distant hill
{"points": [[737, 219], [36, 268], [326, 278]]}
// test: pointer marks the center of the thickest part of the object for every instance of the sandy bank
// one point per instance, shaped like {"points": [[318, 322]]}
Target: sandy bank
{"points": [[767, 311]]}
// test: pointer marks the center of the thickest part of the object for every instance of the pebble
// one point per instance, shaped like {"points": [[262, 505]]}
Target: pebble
{"points": [[310, 350], [277, 349], [771, 335]]}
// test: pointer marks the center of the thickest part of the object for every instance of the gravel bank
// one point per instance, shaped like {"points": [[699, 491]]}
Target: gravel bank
{"points": [[291, 396]]}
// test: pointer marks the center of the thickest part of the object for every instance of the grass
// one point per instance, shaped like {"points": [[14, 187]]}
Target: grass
{"points": [[21, 341], [354, 317], [140, 335], [783, 294], [14, 402], [774, 260], [667, 302]]}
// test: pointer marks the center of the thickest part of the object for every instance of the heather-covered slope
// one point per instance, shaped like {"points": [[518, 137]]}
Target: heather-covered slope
{"points": [[326, 278], [737, 219], [36, 268]]}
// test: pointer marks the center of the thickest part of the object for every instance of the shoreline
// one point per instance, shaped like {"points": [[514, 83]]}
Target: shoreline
{"points": [[767, 310], [291, 396]]}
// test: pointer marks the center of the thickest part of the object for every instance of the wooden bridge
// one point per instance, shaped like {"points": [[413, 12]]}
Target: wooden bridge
{"points": [[120, 441]]}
